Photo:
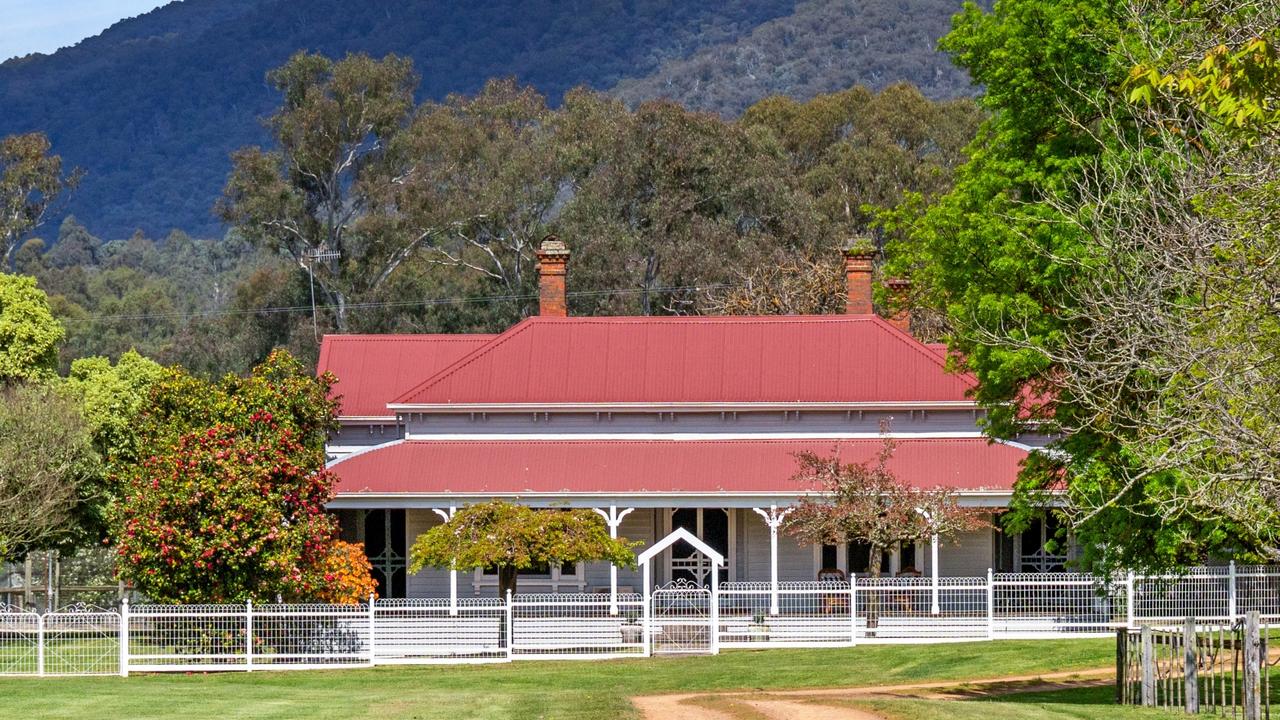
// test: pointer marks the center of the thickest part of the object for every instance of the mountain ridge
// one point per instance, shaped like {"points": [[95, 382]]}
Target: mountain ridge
{"points": [[152, 106]]}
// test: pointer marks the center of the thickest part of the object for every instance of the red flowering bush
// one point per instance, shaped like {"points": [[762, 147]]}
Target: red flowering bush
{"points": [[228, 501]]}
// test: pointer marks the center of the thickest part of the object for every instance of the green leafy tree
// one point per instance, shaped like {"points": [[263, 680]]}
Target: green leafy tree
{"points": [[30, 181], [512, 538], [29, 333], [1097, 262], [112, 398], [319, 198], [49, 472]]}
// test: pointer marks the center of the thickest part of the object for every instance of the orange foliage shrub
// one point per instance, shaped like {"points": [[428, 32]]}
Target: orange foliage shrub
{"points": [[347, 577]]}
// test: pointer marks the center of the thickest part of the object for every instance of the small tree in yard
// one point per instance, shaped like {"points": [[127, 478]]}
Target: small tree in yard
{"points": [[512, 538], [867, 503]]}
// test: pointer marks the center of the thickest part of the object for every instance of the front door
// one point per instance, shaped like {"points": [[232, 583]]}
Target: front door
{"points": [[712, 526]]}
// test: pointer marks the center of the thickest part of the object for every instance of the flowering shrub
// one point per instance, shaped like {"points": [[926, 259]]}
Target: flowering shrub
{"points": [[346, 575], [227, 502]]}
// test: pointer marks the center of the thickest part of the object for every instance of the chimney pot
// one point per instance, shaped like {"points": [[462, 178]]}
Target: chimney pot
{"points": [[857, 274], [553, 256], [900, 303]]}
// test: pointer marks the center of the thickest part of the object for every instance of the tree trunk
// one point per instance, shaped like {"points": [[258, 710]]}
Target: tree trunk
{"points": [[507, 576], [873, 599]]}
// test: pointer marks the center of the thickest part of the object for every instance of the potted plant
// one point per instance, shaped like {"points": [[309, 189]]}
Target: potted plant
{"points": [[632, 632], [759, 629]]}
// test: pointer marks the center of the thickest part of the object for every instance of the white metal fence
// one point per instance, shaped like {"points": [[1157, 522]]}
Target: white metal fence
{"points": [[167, 638]]}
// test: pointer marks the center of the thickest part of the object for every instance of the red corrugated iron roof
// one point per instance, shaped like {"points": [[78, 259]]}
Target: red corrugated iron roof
{"points": [[502, 467], [825, 359], [373, 370]]}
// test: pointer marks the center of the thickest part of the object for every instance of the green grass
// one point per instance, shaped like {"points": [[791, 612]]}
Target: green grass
{"points": [[569, 690]]}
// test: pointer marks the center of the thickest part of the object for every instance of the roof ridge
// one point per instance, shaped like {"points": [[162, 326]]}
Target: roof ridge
{"points": [[922, 348], [436, 337], [465, 360]]}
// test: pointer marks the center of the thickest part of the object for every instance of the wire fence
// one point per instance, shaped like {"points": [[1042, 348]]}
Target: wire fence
{"points": [[83, 640]]}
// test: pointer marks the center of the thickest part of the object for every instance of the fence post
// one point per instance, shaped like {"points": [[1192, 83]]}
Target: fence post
{"points": [[373, 631], [1232, 608], [853, 609], [1191, 688], [124, 637], [511, 633], [714, 645], [1129, 601], [1122, 664], [991, 604], [248, 636], [647, 613], [1252, 666], [1148, 668], [40, 645]]}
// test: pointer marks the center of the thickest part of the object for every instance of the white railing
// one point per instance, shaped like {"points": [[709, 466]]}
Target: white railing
{"points": [[247, 637]]}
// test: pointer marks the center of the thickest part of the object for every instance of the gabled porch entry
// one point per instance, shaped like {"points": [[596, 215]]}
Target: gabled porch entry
{"points": [[681, 617]]}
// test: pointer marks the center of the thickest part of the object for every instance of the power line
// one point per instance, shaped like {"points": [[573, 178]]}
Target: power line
{"points": [[286, 309]]}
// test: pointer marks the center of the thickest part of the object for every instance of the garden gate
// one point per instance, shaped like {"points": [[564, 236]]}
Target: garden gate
{"points": [[681, 619], [681, 616]]}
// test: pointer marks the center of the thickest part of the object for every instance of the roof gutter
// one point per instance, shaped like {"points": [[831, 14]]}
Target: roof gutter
{"points": [[680, 406]]}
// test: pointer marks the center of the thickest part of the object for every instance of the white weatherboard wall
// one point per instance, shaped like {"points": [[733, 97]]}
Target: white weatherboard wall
{"points": [[962, 555], [795, 561], [431, 582], [637, 525]]}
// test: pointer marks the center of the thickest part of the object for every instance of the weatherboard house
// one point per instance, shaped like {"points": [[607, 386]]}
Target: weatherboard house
{"points": [[659, 423]]}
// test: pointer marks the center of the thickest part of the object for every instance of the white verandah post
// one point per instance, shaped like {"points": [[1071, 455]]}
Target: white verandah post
{"points": [[934, 606], [447, 515], [933, 550], [613, 519], [773, 519]]}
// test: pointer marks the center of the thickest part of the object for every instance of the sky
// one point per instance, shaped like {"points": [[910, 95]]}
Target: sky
{"points": [[28, 26]]}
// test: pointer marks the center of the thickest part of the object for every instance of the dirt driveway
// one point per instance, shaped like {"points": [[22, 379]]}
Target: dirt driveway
{"points": [[809, 705]]}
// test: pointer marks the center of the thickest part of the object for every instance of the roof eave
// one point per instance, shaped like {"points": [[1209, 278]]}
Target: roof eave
{"points": [[681, 406]]}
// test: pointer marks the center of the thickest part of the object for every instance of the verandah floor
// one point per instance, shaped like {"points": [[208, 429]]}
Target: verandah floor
{"points": [[577, 691]]}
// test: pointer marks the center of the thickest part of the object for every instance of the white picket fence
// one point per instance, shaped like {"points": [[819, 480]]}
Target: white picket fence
{"points": [[677, 619]]}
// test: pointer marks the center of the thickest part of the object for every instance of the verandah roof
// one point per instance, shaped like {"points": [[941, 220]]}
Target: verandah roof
{"points": [[416, 468]]}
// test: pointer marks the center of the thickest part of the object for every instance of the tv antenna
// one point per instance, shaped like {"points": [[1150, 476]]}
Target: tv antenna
{"points": [[309, 258]]}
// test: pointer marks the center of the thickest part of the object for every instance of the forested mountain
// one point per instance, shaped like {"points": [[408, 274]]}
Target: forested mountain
{"points": [[152, 108], [820, 47]]}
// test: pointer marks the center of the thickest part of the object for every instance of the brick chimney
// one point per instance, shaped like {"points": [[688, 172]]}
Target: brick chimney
{"points": [[553, 256], [857, 276], [900, 303]]}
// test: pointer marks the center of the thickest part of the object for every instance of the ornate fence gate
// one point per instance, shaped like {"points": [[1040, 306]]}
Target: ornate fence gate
{"points": [[681, 619]]}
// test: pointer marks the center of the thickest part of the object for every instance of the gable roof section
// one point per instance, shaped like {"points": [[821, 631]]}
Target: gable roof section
{"points": [[554, 467], [373, 370], [694, 360]]}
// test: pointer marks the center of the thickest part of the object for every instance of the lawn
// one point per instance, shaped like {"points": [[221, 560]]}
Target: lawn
{"points": [[571, 690]]}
